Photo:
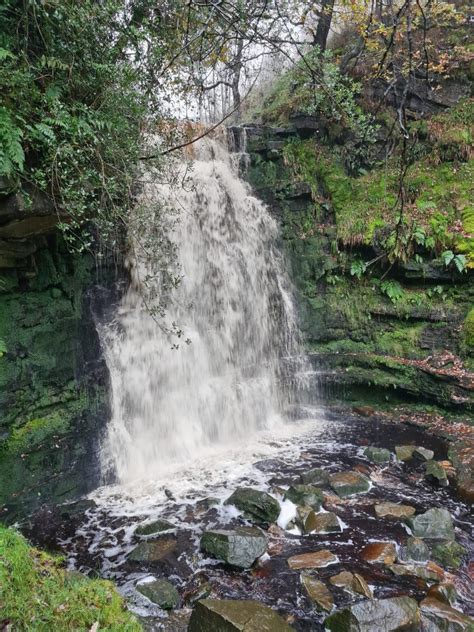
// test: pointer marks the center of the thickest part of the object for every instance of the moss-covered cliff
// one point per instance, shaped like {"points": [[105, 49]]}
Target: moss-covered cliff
{"points": [[399, 321], [52, 379]]}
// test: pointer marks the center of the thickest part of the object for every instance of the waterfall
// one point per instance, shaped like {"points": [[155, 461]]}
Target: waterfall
{"points": [[235, 310]]}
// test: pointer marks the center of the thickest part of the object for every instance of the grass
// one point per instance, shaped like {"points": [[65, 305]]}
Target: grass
{"points": [[36, 593]]}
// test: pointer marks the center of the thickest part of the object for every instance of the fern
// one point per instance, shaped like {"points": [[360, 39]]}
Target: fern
{"points": [[12, 157]]}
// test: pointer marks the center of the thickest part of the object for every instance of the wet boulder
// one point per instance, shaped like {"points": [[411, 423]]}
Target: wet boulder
{"points": [[435, 473], [415, 549], [352, 582], [394, 511], [159, 591], [316, 559], [305, 495], [377, 455], [389, 615], [153, 527], [428, 572], [379, 553], [326, 522], [449, 554], [317, 591], [238, 547], [444, 592], [152, 550], [440, 617], [256, 505], [317, 477], [216, 615], [349, 483], [435, 524], [404, 452]]}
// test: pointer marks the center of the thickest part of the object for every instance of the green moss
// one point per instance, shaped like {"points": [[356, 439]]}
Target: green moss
{"points": [[468, 329], [35, 431], [36, 593]]}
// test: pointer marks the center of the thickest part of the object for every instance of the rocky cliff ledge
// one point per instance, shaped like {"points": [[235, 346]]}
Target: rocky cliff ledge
{"points": [[53, 380], [402, 327]]}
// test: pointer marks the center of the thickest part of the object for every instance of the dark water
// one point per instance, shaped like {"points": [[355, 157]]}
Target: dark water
{"points": [[103, 534]]}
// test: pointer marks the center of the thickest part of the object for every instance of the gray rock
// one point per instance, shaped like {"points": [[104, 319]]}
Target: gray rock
{"points": [[235, 615], [316, 476], [416, 550], [435, 524], [436, 473], [423, 453], [381, 615], [152, 551], [155, 526], [161, 592], [349, 483], [256, 505], [239, 547], [377, 455], [305, 495]]}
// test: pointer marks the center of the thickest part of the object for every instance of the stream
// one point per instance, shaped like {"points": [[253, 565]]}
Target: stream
{"points": [[229, 409]]}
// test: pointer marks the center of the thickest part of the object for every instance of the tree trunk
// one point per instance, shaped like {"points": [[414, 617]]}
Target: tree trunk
{"points": [[324, 24]]}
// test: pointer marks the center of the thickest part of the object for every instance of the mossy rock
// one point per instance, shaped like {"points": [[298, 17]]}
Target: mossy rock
{"points": [[449, 554], [255, 504]]}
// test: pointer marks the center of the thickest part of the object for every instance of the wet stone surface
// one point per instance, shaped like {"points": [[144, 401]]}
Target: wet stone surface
{"points": [[105, 541]]}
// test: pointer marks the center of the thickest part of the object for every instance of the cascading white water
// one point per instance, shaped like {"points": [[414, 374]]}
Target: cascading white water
{"points": [[234, 305]]}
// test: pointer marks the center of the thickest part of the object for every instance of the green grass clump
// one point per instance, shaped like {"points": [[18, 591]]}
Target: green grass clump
{"points": [[36, 593]]}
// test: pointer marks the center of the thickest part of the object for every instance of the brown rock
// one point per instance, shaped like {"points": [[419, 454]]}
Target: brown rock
{"points": [[322, 522], [317, 592], [353, 582], [379, 553], [438, 615], [394, 511], [317, 559]]}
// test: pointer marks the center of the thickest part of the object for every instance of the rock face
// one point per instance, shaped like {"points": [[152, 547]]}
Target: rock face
{"points": [[161, 592], [394, 511], [383, 615], [437, 615], [318, 559], [377, 455], [229, 615], [239, 547], [305, 495], [53, 378], [435, 524], [318, 592], [349, 483], [316, 477], [379, 553], [257, 506], [152, 551]]}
